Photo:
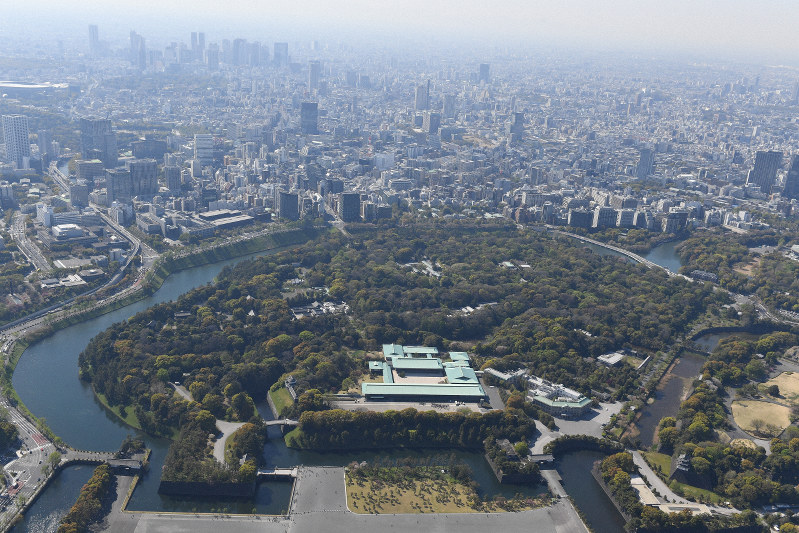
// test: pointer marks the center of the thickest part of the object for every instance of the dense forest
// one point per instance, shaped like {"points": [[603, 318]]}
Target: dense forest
{"points": [[367, 429], [230, 341]]}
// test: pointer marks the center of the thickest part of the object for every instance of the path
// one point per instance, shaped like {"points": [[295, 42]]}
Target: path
{"points": [[227, 429]]}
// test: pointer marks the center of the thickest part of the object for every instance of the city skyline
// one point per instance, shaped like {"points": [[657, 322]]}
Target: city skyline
{"points": [[737, 30]]}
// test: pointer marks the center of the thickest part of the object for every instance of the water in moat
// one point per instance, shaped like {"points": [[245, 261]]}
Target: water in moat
{"points": [[669, 396], [665, 256], [46, 378]]}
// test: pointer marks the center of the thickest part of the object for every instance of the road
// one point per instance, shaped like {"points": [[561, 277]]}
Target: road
{"points": [[29, 249]]}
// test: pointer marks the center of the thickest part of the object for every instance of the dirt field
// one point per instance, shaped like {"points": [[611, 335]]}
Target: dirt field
{"points": [[788, 382], [743, 443], [747, 268], [761, 418]]}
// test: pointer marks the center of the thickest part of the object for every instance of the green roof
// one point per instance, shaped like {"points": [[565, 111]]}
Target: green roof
{"points": [[420, 350], [414, 389], [459, 356], [388, 375], [392, 350], [460, 374], [409, 363]]}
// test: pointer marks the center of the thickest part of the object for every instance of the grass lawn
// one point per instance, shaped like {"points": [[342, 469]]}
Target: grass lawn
{"points": [[130, 417], [282, 399], [658, 460], [754, 417], [788, 382], [695, 493]]}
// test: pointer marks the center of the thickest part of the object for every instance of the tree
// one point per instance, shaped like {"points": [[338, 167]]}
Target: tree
{"points": [[54, 459], [773, 390]]}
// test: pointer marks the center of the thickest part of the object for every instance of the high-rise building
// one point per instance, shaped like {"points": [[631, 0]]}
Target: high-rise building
{"points": [[309, 118], [98, 141], [16, 136], [281, 55], [143, 177], [117, 183], [288, 205], [204, 148], [422, 96], [94, 40], [484, 73], [449, 106], [791, 189], [431, 122], [212, 57], [138, 51], [79, 194], [352, 78], [516, 127], [349, 207], [173, 178], [314, 72], [646, 163], [764, 173], [604, 217]]}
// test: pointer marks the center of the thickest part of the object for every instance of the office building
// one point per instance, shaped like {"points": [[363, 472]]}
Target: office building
{"points": [[281, 56], [309, 118], [791, 189], [118, 187], [79, 194], [483, 74], [143, 177], [45, 142], [431, 123], [349, 207], [646, 163], [288, 206], [604, 217], [764, 173], [16, 136], [314, 72], [204, 148], [422, 96], [449, 106], [98, 141], [173, 179], [516, 127]]}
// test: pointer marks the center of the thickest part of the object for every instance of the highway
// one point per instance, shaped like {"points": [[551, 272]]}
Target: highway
{"points": [[28, 248]]}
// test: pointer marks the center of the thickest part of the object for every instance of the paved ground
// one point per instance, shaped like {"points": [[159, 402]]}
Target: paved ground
{"points": [[320, 505], [591, 424], [493, 396], [227, 429]]}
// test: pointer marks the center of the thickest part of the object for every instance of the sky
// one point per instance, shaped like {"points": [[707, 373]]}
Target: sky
{"points": [[751, 30]]}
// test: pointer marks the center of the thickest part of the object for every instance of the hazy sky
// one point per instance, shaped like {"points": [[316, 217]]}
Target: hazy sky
{"points": [[762, 30]]}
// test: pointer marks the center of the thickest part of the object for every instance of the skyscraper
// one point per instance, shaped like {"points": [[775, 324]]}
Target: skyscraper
{"points": [[422, 96], [309, 118], [281, 54], [288, 205], [349, 207], [45, 142], [204, 148], [646, 163], [94, 40], [314, 71], [98, 141], [791, 189], [143, 177], [449, 106], [764, 173], [15, 134], [516, 128], [483, 74]]}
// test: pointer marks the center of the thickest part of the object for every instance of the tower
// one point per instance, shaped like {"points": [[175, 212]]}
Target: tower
{"points": [[791, 189], [15, 133], [646, 163], [314, 71], [764, 172], [483, 74], [288, 205], [94, 40], [281, 54], [98, 141], [309, 118], [422, 96]]}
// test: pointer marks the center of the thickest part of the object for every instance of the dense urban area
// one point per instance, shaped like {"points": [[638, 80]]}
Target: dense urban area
{"points": [[423, 290]]}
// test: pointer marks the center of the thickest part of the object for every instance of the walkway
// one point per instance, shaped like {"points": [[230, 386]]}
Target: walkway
{"points": [[282, 422], [227, 429]]}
